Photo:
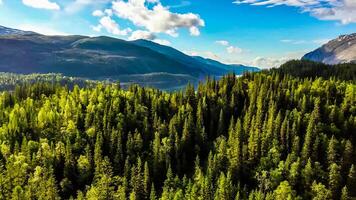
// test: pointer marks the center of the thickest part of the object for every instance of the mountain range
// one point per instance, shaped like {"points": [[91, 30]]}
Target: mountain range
{"points": [[100, 58], [339, 50]]}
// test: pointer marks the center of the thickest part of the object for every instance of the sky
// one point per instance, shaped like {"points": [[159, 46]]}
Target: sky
{"points": [[263, 33]]}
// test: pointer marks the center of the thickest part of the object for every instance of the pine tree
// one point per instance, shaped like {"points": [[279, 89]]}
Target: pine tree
{"points": [[351, 180], [146, 180], [311, 132], [320, 192], [153, 192], [18, 193], [307, 174], [332, 151], [284, 192], [334, 180], [344, 194], [137, 180]]}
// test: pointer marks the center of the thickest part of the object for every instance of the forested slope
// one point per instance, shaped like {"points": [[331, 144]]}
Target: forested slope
{"points": [[261, 136], [9, 81], [310, 69]]}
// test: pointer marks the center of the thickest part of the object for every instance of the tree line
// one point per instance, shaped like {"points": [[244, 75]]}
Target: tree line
{"points": [[310, 69]]}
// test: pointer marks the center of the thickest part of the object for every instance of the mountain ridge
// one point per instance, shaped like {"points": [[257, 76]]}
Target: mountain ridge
{"points": [[102, 57], [336, 51], [11, 31]]}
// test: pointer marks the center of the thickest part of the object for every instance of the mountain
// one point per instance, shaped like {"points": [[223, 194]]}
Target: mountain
{"points": [[99, 58], [182, 58], [207, 65], [168, 51], [10, 31], [235, 68], [339, 50]]}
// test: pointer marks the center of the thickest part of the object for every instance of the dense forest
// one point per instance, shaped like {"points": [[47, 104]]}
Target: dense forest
{"points": [[310, 69], [9, 81], [260, 136]]}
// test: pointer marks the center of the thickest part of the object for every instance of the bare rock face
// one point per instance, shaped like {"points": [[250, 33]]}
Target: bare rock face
{"points": [[339, 50]]}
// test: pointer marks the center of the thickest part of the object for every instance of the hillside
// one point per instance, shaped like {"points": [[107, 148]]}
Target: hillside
{"points": [[103, 58], [310, 69], [232, 68], [83, 56], [339, 50], [207, 65], [10, 31]]}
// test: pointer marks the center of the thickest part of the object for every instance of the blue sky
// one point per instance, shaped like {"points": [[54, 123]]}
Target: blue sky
{"points": [[263, 33]]}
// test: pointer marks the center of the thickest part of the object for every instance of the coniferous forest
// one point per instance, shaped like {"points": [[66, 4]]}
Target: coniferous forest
{"points": [[266, 135]]}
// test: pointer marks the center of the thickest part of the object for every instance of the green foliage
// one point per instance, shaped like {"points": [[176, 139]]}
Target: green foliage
{"points": [[259, 136], [310, 69]]}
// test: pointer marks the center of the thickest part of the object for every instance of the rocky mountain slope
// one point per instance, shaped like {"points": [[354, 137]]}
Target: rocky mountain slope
{"points": [[339, 50], [10, 31]]}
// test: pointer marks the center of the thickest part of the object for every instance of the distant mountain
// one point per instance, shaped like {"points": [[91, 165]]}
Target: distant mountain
{"points": [[340, 50], [10, 31], [168, 51], [207, 65], [140, 61], [235, 68]]}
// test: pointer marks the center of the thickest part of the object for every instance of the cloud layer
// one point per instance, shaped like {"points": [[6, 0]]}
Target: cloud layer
{"points": [[155, 18], [297, 42], [230, 49], [150, 18], [337, 10], [41, 4], [269, 62], [77, 5], [111, 27]]}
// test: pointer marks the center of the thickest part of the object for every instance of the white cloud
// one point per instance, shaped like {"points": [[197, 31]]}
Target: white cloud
{"points": [[97, 28], [286, 41], [233, 50], [162, 42], [217, 57], [146, 35], [204, 54], [345, 12], [108, 12], [321, 41], [289, 41], [230, 49], [1, 2], [296, 42], [271, 3], [98, 13], [156, 18], [222, 42], [336, 10], [269, 62], [194, 31], [41, 4], [112, 27], [140, 34], [212, 55]]}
